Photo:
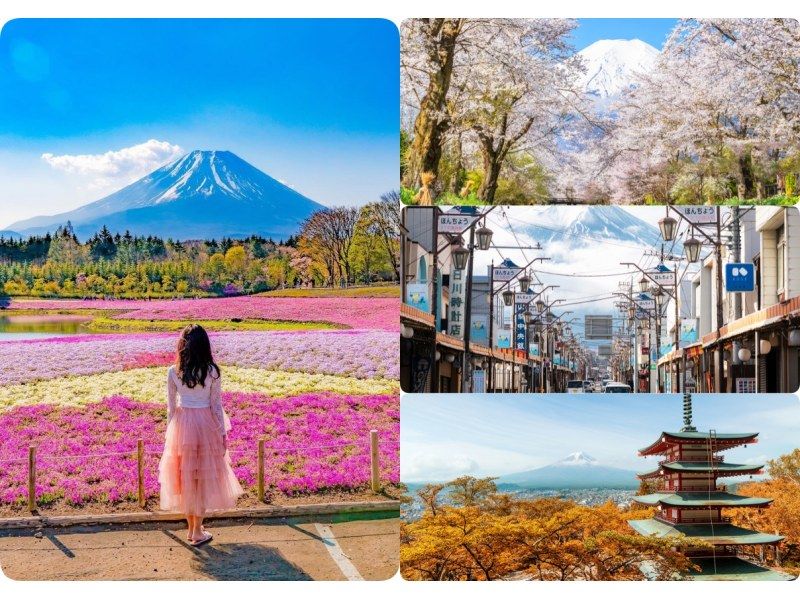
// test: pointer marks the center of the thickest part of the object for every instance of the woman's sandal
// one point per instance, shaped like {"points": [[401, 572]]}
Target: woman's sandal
{"points": [[206, 539], [189, 538]]}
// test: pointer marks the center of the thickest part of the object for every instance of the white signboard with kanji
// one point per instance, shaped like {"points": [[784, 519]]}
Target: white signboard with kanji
{"points": [[505, 274], [455, 314], [455, 223], [662, 278], [524, 297], [698, 214]]}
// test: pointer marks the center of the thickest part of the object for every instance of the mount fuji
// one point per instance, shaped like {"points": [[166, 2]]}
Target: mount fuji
{"points": [[612, 65], [202, 195], [577, 470], [581, 225]]}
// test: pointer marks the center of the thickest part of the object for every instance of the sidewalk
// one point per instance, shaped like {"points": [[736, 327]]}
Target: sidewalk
{"points": [[309, 548]]}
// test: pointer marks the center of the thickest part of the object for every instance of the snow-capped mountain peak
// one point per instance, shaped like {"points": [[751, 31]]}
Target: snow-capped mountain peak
{"points": [[578, 458], [612, 64], [204, 194]]}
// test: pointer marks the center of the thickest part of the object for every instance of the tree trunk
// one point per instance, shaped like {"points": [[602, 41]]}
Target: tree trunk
{"points": [[744, 176], [431, 123], [457, 178], [491, 176]]}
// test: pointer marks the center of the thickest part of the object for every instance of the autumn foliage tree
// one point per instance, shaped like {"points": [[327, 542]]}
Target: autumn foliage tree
{"points": [[482, 534], [782, 517]]}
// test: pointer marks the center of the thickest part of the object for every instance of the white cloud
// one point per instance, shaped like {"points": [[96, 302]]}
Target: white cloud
{"points": [[116, 168], [428, 466]]}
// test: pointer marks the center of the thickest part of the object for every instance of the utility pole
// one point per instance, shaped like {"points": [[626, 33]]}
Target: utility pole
{"points": [[737, 257], [490, 376], [435, 300], [718, 352], [466, 363]]}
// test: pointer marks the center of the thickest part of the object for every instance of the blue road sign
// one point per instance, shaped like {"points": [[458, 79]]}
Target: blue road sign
{"points": [[740, 278]]}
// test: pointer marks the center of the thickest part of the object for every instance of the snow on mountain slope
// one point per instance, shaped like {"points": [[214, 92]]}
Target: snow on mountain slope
{"points": [[579, 226], [202, 194], [577, 470], [612, 64], [579, 458]]}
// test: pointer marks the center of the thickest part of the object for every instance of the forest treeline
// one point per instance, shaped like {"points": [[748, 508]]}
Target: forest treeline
{"points": [[338, 246]]}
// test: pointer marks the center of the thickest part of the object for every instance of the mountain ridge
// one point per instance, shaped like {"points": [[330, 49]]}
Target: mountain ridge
{"points": [[612, 65], [577, 470], [203, 194]]}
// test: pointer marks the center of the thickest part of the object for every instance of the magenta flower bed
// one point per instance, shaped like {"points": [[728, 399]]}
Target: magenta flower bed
{"points": [[315, 442], [382, 313], [360, 354]]}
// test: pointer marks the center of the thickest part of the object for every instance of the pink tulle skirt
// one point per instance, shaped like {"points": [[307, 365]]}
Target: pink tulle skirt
{"points": [[195, 470]]}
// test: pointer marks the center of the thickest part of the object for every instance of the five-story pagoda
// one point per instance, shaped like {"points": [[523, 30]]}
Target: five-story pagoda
{"points": [[689, 502]]}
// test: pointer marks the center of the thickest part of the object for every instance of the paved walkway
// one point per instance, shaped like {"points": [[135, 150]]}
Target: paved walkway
{"points": [[310, 548]]}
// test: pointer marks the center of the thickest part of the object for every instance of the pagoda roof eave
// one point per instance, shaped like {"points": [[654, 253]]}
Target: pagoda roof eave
{"points": [[701, 499], [733, 569], [723, 534], [722, 441], [721, 469]]}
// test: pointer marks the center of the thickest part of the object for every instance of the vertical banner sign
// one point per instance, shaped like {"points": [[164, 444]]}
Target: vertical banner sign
{"points": [[479, 333], [455, 317], [420, 366], [503, 339], [417, 296], [479, 381], [519, 325], [689, 330]]}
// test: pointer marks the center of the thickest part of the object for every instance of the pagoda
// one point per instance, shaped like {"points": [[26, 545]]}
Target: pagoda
{"points": [[689, 502]]}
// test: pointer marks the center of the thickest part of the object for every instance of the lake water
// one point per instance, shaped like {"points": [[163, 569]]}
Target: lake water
{"points": [[25, 327]]}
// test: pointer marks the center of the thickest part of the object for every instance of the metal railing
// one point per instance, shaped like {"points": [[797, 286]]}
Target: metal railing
{"points": [[262, 450]]}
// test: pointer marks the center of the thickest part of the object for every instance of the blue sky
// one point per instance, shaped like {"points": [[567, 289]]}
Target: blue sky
{"points": [[312, 103], [445, 436], [652, 31]]}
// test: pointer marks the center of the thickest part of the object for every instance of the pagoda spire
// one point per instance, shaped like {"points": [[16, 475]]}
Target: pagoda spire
{"points": [[687, 414]]}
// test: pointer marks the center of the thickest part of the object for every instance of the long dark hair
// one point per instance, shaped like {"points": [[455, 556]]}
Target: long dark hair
{"points": [[193, 359]]}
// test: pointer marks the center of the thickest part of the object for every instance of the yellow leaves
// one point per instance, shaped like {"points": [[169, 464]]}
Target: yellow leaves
{"points": [[147, 385], [499, 536]]}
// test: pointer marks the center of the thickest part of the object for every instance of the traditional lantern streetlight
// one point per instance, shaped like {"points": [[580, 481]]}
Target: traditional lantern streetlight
{"points": [[668, 226], [691, 247], [508, 297], [484, 236], [643, 284]]}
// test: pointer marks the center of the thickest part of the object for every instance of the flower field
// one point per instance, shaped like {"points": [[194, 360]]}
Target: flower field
{"points": [[379, 313], [313, 395]]}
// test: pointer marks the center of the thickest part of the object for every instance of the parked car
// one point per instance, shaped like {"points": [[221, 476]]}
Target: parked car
{"points": [[575, 387], [588, 386], [617, 387]]}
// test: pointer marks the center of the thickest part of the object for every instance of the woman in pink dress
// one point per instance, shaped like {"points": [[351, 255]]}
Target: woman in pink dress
{"points": [[195, 472]]}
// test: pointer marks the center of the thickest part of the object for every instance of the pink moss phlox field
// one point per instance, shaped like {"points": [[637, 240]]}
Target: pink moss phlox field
{"points": [[314, 442], [359, 354], [381, 313]]}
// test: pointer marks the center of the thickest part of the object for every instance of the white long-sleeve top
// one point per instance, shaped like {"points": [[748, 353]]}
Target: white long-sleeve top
{"points": [[207, 395]]}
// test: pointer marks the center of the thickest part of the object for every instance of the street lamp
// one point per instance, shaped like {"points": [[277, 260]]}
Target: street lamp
{"points": [[508, 297], [540, 305], [658, 295], [527, 316], [524, 282], [668, 226], [484, 236], [691, 247], [631, 311], [460, 255], [643, 283]]}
